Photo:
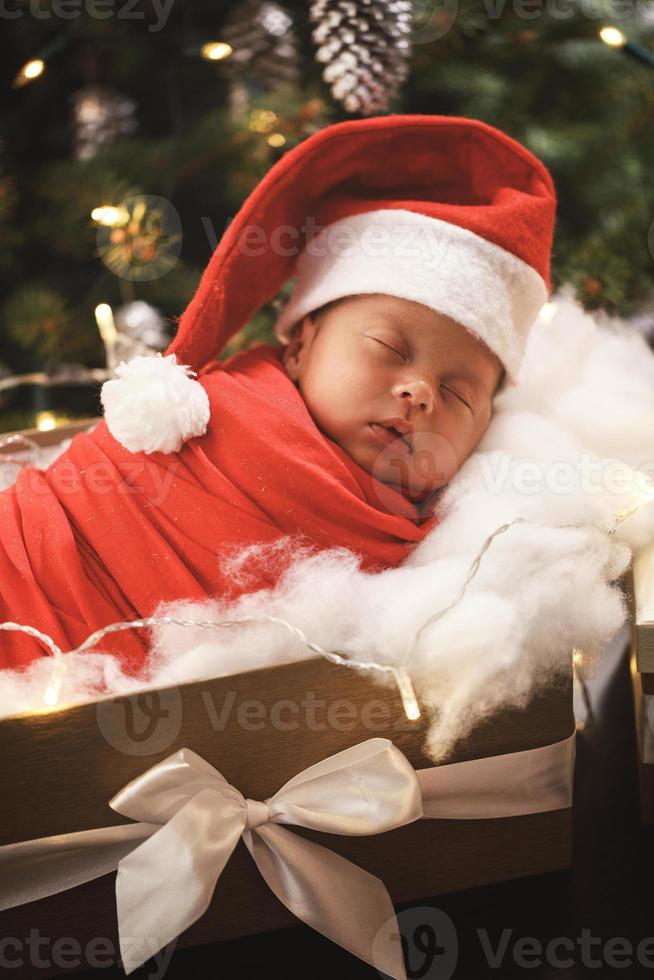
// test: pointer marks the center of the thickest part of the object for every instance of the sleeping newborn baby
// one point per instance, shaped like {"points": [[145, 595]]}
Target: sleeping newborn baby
{"points": [[406, 391], [207, 477]]}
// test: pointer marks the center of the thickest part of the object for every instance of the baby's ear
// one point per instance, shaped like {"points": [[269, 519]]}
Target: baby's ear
{"points": [[290, 355], [292, 351]]}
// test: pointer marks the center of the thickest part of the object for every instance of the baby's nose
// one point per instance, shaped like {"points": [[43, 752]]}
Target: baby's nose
{"points": [[419, 392]]}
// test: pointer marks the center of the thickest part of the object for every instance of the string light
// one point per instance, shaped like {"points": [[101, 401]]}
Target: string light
{"points": [[104, 318], [35, 67], [20, 442], [215, 50], [45, 421], [644, 496], [110, 216], [407, 693], [276, 139], [41, 378], [51, 694], [547, 311], [30, 70], [614, 37], [53, 690], [578, 664]]}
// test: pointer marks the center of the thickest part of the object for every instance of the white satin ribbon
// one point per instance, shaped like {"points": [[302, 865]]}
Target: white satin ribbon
{"points": [[510, 785], [191, 818]]}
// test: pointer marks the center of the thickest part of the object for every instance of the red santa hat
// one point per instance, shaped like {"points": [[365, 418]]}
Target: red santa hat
{"points": [[444, 210]]}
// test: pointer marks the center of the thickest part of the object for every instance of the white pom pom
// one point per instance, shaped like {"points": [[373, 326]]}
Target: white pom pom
{"points": [[153, 405]]}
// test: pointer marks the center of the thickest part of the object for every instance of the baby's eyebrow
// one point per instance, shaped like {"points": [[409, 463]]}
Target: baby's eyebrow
{"points": [[463, 372], [397, 321]]}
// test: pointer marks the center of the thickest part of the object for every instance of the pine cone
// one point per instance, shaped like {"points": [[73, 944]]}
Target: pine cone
{"points": [[264, 42], [366, 48]]}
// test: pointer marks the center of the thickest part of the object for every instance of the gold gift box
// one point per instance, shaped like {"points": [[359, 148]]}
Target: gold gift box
{"points": [[61, 767], [640, 597], [642, 608]]}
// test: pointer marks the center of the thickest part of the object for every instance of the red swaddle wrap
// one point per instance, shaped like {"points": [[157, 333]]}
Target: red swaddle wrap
{"points": [[104, 535]]}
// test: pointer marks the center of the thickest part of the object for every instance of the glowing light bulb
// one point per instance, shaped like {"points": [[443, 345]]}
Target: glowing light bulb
{"points": [[215, 50], [45, 421], [104, 318], [30, 70], [612, 36], [109, 215], [547, 311], [643, 494], [407, 693], [34, 68], [53, 690], [51, 695]]}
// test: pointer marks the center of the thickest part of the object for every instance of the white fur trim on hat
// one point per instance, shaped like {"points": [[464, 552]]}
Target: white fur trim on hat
{"points": [[450, 269], [153, 405]]}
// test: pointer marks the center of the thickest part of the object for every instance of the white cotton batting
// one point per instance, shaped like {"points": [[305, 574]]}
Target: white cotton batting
{"points": [[567, 450]]}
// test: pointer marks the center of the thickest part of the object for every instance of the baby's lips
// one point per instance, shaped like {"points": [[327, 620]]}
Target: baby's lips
{"points": [[387, 436]]}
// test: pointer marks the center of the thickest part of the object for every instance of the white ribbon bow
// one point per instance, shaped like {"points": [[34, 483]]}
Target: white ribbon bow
{"points": [[168, 867], [166, 883]]}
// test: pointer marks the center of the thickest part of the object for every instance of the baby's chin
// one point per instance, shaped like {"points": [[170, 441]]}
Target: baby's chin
{"points": [[413, 487], [417, 496]]}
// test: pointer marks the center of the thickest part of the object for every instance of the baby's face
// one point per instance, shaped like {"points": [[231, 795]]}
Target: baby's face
{"points": [[374, 357]]}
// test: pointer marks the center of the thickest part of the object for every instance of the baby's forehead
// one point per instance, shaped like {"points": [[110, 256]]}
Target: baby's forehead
{"points": [[414, 319]]}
